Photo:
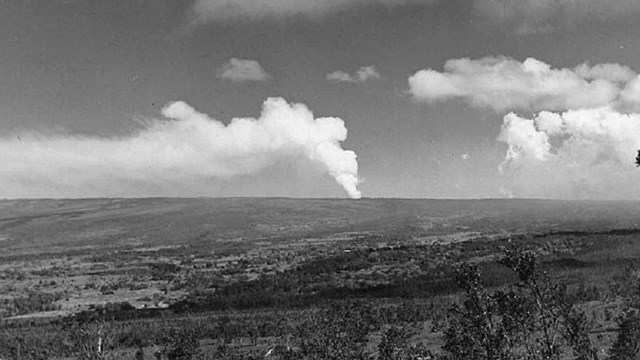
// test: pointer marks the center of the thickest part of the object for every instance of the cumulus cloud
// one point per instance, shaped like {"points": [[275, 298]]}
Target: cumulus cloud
{"points": [[503, 83], [585, 153], [224, 11], [365, 73], [581, 141], [631, 93], [240, 70], [185, 148], [340, 76], [524, 139], [539, 16]]}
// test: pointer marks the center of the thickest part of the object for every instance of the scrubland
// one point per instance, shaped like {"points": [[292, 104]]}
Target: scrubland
{"points": [[307, 278]]}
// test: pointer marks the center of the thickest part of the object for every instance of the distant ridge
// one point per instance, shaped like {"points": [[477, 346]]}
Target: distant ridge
{"points": [[30, 225]]}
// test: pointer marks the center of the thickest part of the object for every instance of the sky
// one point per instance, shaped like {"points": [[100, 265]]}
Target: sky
{"points": [[320, 98]]}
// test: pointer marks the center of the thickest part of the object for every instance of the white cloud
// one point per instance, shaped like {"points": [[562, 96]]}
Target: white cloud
{"points": [[340, 76], [240, 70], [502, 83], [175, 153], [365, 73], [586, 153], [465, 156], [614, 73], [524, 140], [538, 16], [583, 139], [631, 92], [224, 11]]}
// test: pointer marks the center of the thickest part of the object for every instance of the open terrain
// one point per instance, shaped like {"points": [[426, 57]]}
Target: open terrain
{"points": [[248, 270]]}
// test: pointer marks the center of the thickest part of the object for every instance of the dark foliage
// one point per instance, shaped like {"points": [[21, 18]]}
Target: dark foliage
{"points": [[180, 344], [510, 310], [395, 345], [337, 333], [529, 320], [627, 345], [35, 301]]}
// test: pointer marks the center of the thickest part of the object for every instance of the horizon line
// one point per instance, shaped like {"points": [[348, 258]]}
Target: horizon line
{"points": [[308, 198]]}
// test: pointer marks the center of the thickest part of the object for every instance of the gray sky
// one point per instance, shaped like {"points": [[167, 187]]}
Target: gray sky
{"points": [[85, 84]]}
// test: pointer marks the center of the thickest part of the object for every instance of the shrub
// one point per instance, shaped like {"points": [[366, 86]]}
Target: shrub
{"points": [[338, 332], [528, 320], [627, 344], [94, 340], [180, 344], [395, 346]]}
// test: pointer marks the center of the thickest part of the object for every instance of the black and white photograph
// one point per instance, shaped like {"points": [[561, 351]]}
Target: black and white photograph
{"points": [[320, 179]]}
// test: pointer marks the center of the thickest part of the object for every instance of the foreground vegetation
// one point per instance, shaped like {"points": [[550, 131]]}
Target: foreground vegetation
{"points": [[531, 318]]}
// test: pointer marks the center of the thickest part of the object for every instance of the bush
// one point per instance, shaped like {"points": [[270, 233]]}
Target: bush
{"points": [[94, 340], [180, 344], [395, 346], [531, 319], [627, 344], [338, 332]]}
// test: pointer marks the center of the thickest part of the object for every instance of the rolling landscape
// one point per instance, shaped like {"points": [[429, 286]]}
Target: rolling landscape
{"points": [[319, 180], [246, 275]]}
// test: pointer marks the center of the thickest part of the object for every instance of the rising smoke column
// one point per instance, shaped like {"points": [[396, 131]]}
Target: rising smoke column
{"points": [[187, 147]]}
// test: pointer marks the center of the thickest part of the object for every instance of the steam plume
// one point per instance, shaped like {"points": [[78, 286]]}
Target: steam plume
{"points": [[173, 153]]}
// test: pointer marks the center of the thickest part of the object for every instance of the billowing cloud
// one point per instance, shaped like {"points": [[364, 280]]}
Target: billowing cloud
{"points": [[224, 11], [537, 16], [631, 93], [586, 153], [365, 73], [240, 70], [174, 153], [582, 139], [503, 83]]}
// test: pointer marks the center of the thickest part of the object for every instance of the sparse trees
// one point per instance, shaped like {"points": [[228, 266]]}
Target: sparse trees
{"points": [[94, 340], [338, 332], [627, 344], [395, 345], [180, 344], [529, 320]]}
